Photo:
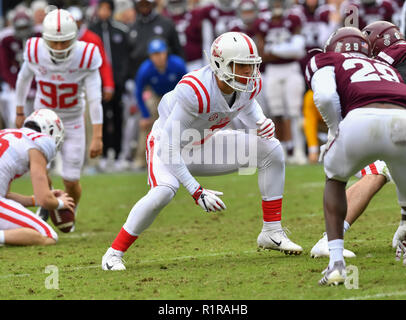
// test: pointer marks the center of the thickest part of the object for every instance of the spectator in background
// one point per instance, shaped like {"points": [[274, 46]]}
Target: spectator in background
{"points": [[124, 12], [402, 25], [106, 74], [11, 59], [161, 72], [189, 27], [38, 8], [370, 10], [84, 34], [115, 41], [150, 24], [313, 127], [281, 46]]}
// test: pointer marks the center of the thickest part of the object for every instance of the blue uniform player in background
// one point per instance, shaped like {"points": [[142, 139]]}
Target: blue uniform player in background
{"points": [[160, 73]]}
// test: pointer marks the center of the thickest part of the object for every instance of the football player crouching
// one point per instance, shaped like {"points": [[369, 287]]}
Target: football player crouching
{"points": [[30, 149]]}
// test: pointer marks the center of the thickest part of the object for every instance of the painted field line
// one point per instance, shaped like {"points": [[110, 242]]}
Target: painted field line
{"points": [[379, 295], [142, 262]]}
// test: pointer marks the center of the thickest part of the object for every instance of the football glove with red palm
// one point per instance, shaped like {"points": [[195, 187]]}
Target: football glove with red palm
{"points": [[266, 128], [209, 200]]}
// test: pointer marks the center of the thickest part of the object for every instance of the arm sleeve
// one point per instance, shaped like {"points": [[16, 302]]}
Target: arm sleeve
{"points": [[94, 96], [293, 49], [251, 115], [326, 97], [23, 84], [179, 120]]}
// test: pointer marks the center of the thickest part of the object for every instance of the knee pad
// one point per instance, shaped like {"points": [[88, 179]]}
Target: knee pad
{"points": [[270, 152], [161, 196]]}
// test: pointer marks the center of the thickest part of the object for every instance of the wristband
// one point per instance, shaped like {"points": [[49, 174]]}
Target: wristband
{"points": [[20, 114], [197, 194], [60, 204], [34, 203]]}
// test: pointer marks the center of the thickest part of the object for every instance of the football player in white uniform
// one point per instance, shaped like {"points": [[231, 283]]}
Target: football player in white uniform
{"points": [[65, 69], [203, 106], [30, 148]]}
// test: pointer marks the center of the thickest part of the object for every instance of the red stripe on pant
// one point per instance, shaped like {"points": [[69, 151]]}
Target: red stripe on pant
{"points": [[123, 241], [272, 210], [151, 164], [373, 168]]}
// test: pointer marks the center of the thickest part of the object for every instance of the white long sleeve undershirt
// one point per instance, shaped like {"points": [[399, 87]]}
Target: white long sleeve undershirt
{"points": [[23, 84], [326, 97]]}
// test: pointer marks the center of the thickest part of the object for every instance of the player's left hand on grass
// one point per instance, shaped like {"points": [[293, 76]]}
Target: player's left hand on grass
{"points": [[209, 200], [96, 147], [266, 128]]}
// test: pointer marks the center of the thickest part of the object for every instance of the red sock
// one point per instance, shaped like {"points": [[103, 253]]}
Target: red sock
{"points": [[272, 210], [123, 241]]}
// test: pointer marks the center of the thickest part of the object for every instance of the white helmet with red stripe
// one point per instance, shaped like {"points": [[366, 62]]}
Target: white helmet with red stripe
{"points": [[233, 48], [48, 122], [59, 26]]}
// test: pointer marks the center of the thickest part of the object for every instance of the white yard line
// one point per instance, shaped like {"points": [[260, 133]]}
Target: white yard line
{"points": [[98, 265], [379, 295]]}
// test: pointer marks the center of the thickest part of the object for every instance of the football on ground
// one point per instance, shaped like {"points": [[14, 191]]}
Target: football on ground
{"points": [[63, 219]]}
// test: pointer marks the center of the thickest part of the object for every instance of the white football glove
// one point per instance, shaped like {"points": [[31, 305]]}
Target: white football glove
{"points": [[209, 200], [266, 128]]}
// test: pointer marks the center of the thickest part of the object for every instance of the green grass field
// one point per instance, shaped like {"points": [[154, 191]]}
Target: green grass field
{"points": [[189, 255]]}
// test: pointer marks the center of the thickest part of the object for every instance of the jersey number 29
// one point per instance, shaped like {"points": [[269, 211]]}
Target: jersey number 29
{"points": [[370, 71]]}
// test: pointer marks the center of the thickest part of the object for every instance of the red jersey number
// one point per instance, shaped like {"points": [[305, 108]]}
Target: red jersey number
{"points": [[58, 95], [4, 144]]}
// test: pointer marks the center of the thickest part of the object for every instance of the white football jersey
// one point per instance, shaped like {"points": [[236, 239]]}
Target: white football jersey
{"points": [[60, 85], [14, 157], [199, 93]]}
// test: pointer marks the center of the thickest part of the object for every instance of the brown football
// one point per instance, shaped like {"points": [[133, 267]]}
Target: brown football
{"points": [[63, 219]]}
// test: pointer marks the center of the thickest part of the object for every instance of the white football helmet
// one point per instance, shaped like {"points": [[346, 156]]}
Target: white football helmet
{"points": [[49, 123], [59, 25], [231, 48]]}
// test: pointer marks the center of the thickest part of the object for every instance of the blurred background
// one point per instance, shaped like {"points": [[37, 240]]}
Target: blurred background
{"points": [[148, 45]]}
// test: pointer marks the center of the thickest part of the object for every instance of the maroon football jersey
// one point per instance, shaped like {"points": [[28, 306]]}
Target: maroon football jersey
{"points": [[360, 80], [314, 22], [279, 31], [189, 28], [237, 25], [394, 54], [219, 18], [381, 10]]}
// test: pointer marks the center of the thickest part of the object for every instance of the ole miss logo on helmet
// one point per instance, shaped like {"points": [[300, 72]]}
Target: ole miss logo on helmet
{"points": [[58, 123], [216, 52]]}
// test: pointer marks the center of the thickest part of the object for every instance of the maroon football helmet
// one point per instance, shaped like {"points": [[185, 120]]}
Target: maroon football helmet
{"points": [[346, 40], [382, 34]]}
